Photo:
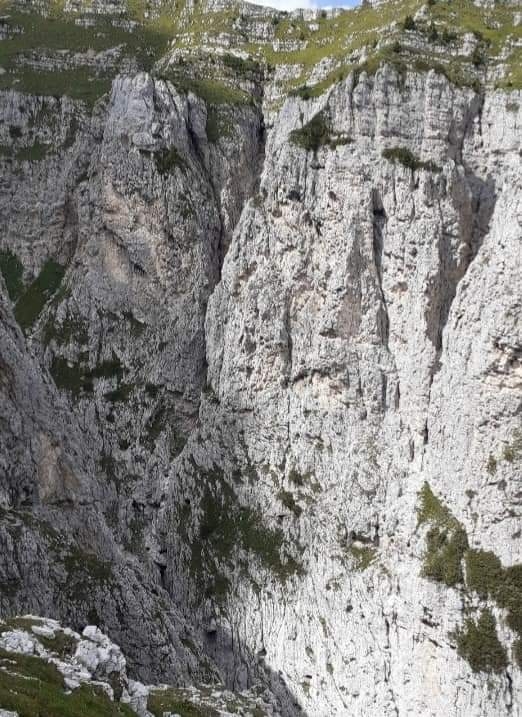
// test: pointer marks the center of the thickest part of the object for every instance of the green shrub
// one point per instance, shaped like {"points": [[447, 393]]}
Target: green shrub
{"points": [[491, 466], [30, 304], [509, 596], [478, 643], [154, 427], [78, 378], [86, 573], [433, 35], [448, 37], [432, 510], [446, 541], [288, 500], [211, 91], [71, 378], [122, 393], [79, 561], [19, 623], [60, 644], [110, 368], [405, 157], [409, 23], [225, 525], [513, 451], [78, 84], [446, 547], [445, 550], [12, 270], [72, 328], [167, 159], [363, 557], [297, 478], [34, 153], [313, 135], [484, 572], [212, 127], [219, 124], [304, 92], [240, 65], [486, 576], [477, 57]]}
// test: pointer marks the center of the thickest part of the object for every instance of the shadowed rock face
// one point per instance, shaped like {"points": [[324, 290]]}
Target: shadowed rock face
{"points": [[260, 387], [101, 395]]}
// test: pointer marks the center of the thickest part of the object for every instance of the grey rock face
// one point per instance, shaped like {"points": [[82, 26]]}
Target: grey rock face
{"points": [[363, 341], [259, 380], [123, 340]]}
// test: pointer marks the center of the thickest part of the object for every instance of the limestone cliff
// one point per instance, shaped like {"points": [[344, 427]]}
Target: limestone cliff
{"points": [[261, 348]]}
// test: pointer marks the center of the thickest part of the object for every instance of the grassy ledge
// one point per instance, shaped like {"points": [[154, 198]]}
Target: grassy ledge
{"points": [[33, 687]]}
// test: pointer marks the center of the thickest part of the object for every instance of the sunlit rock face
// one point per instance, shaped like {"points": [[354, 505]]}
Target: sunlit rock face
{"points": [[260, 366], [364, 342]]}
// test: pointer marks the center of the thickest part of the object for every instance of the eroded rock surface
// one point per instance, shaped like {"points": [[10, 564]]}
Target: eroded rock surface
{"points": [[260, 377]]}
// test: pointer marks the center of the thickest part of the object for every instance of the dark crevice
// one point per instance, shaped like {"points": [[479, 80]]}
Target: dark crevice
{"points": [[455, 262], [379, 223]]}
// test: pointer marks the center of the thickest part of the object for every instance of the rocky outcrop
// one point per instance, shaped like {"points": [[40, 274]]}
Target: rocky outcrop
{"points": [[73, 673]]}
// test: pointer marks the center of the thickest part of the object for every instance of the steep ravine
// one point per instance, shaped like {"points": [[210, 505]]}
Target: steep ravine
{"points": [[122, 338], [260, 381]]}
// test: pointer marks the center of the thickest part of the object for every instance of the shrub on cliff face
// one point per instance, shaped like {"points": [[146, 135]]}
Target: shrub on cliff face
{"points": [[483, 572], [485, 577], [12, 270], [478, 643], [404, 156], [444, 552], [409, 23], [477, 57], [313, 135], [509, 596], [446, 541], [31, 303], [167, 159]]}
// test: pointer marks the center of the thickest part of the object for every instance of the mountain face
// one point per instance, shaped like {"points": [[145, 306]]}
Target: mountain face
{"points": [[261, 346]]}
